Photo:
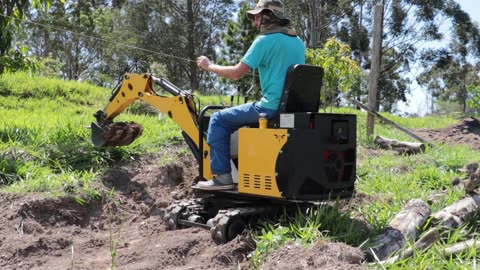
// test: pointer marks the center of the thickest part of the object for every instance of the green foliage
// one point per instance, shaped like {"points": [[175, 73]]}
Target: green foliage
{"points": [[447, 80], [14, 59], [474, 97], [49, 67], [17, 60], [270, 239], [340, 71]]}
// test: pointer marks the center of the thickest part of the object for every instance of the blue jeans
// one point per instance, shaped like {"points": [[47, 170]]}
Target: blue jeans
{"points": [[222, 124]]}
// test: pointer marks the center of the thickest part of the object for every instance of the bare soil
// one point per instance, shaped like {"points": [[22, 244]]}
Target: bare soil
{"points": [[124, 228], [466, 132]]}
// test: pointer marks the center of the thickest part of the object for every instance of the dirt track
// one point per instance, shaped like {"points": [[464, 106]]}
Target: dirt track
{"points": [[43, 233]]}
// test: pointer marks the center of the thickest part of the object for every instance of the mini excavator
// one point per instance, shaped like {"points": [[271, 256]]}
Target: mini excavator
{"points": [[301, 158]]}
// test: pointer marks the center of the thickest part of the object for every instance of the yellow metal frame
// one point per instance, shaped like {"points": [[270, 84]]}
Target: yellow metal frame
{"points": [[257, 158], [181, 109]]}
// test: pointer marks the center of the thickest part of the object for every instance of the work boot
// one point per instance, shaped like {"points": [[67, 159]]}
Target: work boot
{"points": [[220, 182]]}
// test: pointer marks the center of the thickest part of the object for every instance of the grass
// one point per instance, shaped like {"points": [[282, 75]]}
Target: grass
{"points": [[326, 221], [44, 136], [45, 147]]}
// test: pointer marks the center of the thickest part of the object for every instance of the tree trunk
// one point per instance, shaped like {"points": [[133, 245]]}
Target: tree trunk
{"points": [[194, 83]]}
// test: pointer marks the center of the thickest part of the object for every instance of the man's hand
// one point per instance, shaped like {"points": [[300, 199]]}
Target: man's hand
{"points": [[203, 62], [230, 72]]}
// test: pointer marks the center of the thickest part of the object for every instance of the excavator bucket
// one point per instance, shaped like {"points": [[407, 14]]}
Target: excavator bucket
{"points": [[115, 134]]}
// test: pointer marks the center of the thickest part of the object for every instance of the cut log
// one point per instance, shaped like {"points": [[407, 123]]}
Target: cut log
{"points": [[399, 146], [449, 218], [403, 228], [453, 216]]}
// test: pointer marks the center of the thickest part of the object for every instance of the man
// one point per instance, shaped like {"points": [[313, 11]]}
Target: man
{"points": [[273, 51]]}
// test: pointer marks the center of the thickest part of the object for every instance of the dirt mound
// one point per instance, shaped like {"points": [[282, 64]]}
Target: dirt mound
{"points": [[467, 132], [323, 255], [121, 227]]}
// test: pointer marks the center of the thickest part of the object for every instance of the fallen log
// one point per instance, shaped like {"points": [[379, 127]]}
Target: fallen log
{"points": [[456, 214], [449, 218], [403, 228], [399, 146], [425, 242]]}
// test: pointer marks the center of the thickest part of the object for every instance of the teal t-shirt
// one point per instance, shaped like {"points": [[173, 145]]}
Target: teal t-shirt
{"points": [[273, 54]]}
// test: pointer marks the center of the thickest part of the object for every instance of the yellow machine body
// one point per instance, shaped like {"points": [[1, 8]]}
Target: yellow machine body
{"points": [[257, 156]]}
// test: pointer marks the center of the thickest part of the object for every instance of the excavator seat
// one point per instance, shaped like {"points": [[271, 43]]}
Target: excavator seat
{"points": [[301, 92]]}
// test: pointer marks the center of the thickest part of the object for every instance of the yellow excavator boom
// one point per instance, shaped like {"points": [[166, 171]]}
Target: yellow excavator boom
{"points": [[180, 108]]}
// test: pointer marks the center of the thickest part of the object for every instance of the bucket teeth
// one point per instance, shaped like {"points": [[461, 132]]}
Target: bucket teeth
{"points": [[115, 134]]}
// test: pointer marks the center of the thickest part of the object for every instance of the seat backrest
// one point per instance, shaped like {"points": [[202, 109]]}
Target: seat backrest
{"points": [[301, 92]]}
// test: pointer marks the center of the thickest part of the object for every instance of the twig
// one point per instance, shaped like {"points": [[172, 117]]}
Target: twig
{"points": [[462, 246], [73, 262], [376, 259], [20, 228]]}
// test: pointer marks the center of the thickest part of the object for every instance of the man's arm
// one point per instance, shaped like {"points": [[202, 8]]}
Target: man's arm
{"points": [[230, 72]]}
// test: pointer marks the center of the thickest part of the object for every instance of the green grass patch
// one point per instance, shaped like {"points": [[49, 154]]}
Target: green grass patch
{"points": [[45, 135], [314, 224]]}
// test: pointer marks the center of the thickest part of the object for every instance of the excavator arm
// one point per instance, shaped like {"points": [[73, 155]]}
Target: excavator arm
{"points": [[180, 108]]}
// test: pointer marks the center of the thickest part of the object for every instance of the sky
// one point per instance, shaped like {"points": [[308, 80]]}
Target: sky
{"points": [[418, 98]]}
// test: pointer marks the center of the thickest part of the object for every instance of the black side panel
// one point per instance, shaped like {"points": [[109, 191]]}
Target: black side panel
{"points": [[319, 159]]}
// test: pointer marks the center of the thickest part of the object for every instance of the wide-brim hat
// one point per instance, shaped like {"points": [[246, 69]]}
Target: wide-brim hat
{"points": [[275, 6]]}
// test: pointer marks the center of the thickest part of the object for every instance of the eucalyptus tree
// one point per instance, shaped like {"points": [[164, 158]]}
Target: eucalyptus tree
{"points": [[176, 32], [408, 27], [449, 77], [412, 28], [237, 39], [448, 72], [12, 12], [66, 33]]}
